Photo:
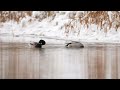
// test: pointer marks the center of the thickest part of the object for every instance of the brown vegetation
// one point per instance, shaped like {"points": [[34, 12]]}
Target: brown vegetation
{"points": [[100, 18]]}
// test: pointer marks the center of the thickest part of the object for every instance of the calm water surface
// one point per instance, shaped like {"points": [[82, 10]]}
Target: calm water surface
{"points": [[18, 61]]}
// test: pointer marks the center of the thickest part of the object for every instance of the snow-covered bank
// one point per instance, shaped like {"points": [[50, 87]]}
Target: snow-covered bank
{"points": [[67, 25], [53, 40], [28, 39]]}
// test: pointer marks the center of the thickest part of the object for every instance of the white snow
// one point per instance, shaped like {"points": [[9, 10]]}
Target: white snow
{"points": [[27, 31]]}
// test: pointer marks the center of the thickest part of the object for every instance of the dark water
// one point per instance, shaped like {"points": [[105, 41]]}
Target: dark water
{"points": [[18, 61]]}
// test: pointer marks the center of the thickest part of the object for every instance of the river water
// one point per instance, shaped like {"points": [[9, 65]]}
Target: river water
{"points": [[19, 61]]}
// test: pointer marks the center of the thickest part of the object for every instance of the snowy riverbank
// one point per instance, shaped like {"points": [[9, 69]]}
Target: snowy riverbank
{"points": [[52, 40], [58, 26]]}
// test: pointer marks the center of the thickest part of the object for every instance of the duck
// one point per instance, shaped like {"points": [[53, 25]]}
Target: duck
{"points": [[75, 45], [38, 44]]}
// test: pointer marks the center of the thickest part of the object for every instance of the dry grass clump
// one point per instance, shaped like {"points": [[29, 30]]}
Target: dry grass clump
{"points": [[13, 15], [102, 19]]}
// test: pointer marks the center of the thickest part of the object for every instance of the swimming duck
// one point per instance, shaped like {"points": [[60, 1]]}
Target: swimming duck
{"points": [[76, 45], [38, 44]]}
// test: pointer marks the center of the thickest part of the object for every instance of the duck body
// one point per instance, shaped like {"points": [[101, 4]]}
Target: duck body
{"points": [[38, 44], [74, 44]]}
